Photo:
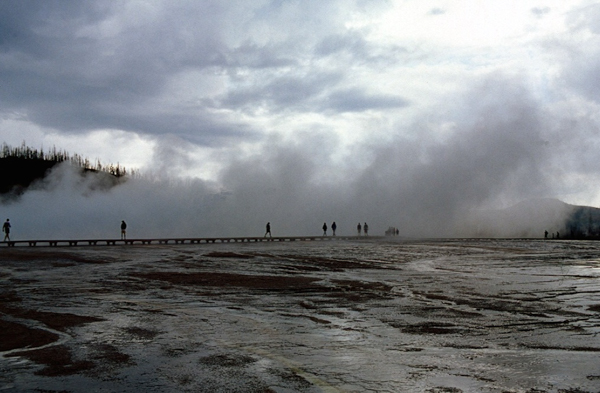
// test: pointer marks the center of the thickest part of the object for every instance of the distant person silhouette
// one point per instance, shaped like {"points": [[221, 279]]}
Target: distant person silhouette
{"points": [[324, 229], [123, 230], [397, 231], [268, 230], [366, 229], [333, 227], [6, 230], [358, 228], [545, 234]]}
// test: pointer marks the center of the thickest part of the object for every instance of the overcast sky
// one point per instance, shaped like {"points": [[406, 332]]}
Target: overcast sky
{"points": [[399, 111]]}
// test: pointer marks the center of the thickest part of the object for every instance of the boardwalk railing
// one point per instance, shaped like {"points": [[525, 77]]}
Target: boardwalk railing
{"points": [[183, 240]]}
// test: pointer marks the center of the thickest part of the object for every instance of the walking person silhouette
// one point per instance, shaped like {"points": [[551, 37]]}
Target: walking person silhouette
{"points": [[6, 230]]}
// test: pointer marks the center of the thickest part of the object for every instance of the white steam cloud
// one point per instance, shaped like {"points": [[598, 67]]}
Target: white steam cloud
{"points": [[429, 184]]}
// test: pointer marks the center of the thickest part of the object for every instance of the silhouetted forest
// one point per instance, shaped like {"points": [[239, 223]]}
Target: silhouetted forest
{"points": [[21, 166]]}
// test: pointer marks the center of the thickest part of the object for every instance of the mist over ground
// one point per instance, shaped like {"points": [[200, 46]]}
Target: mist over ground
{"points": [[497, 155]]}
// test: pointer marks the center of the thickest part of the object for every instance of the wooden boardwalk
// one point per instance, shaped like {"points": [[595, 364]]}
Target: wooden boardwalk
{"points": [[183, 240]]}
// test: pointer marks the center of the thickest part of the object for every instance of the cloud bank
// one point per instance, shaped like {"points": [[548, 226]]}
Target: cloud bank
{"points": [[426, 185]]}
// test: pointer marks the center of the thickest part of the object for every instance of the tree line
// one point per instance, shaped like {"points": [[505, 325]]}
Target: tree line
{"points": [[58, 156]]}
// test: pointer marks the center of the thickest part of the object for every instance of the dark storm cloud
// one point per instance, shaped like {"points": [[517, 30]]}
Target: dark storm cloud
{"points": [[66, 67], [312, 93], [291, 91], [37, 28], [251, 55], [358, 100], [76, 66]]}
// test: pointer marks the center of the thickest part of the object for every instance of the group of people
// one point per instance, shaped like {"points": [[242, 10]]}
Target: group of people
{"points": [[360, 228], [365, 228], [333, 228]]}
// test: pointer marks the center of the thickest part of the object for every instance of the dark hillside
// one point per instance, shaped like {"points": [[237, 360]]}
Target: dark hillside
{"points": [[21, 166], [16, 174]]}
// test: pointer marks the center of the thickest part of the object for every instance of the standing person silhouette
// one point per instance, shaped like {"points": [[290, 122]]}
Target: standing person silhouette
{"points": [[333, 227], [268, 230], [324, 229], [123, 230], [358, 228], [366, 228], [6, 230]]}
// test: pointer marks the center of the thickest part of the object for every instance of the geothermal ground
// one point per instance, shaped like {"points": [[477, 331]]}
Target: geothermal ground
{"points": [[345, 316]]}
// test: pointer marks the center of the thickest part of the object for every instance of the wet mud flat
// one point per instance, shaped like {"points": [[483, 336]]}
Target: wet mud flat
{"points": [[396, 316]]}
